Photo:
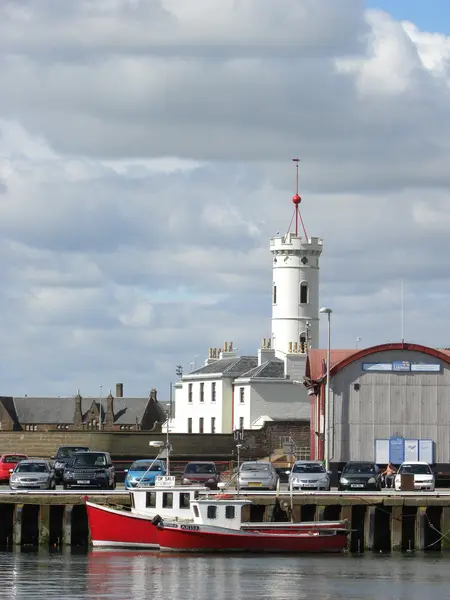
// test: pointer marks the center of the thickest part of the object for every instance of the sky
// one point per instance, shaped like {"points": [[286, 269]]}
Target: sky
{"points": [[145, 162]]}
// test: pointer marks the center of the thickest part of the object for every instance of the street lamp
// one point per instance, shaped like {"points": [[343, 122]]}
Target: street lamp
{"points": [[101, 408], [326, 440]]}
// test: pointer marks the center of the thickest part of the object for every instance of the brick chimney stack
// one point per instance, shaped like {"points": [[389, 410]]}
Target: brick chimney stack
{"points": [[119, 390]]}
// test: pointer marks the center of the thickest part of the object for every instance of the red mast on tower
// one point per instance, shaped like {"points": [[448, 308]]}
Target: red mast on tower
{"points": [[296, 200]]}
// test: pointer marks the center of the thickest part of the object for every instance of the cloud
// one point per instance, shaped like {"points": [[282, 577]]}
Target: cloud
{"points": [[146, 161]]}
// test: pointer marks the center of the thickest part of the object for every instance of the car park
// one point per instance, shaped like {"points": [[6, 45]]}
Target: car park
{"points": [[257, 475], [309, 475], [424, 478], [360, 475], [90, 469], [144, 472], [201, 473], [33, 474], [63, 457], [7, 463]]}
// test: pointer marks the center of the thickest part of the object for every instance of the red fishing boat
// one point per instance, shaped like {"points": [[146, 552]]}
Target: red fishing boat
{"points": [[217, 527]]}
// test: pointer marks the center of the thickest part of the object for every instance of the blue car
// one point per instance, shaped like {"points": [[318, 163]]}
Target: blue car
{"points": [[144, 472]]}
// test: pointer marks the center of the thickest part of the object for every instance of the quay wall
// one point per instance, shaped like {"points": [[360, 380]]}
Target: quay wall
{"points": [[379, 523]]}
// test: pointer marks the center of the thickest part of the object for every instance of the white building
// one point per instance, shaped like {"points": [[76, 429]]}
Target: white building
{"points": [[241, 392]]}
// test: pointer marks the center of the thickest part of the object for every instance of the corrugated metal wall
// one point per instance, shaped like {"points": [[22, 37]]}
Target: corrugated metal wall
{"points": [[411, 405]]}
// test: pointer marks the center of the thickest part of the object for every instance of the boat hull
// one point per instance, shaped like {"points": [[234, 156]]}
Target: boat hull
{"points": [[112, 528], [189, 538]]}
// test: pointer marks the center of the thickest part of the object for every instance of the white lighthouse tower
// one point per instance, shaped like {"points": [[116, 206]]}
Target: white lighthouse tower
{"points": [[295, 293]]}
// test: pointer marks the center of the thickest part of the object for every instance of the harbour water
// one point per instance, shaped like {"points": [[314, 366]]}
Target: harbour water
{"points": [[122, 575]]}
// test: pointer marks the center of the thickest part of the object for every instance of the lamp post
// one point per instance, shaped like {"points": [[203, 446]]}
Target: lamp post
{"points": [[101, 408], [326, 417], [238, 447]]}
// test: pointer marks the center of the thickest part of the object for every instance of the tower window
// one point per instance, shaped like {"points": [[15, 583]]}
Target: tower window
{"points": [[274, 294], [304, 293]]}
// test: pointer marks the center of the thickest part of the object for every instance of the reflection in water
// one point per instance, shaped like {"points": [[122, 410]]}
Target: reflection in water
{"points": [[125, 575]]}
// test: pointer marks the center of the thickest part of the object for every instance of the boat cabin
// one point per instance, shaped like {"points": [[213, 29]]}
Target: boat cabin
{"points": [[173, 502], [225, 512]]}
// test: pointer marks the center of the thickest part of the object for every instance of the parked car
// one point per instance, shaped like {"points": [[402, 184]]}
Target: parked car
{"points": [[424, 478], [309, 475], [8, 462], [33, 474], [201, 472], [257, 474], [90, 469], [63, 456], [144, 472], [360, 476]]}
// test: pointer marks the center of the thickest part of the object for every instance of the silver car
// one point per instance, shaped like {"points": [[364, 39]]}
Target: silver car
{"points": [[36, 474], [258, 475], [309, 475]]}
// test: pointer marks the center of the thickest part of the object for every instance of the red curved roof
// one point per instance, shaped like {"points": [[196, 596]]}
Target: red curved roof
{"points": [[316, 363]]}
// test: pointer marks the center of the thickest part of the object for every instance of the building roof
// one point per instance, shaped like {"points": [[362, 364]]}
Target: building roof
{"points": [[271, 369], [316, 361], [127, 411], [228, 367], [31, 410]]}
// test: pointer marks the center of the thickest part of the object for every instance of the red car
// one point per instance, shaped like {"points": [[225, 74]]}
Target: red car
{"points": [[7, 462]]}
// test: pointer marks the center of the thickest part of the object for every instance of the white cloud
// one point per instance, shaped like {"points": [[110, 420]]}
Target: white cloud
{"points": [[145, 154]]}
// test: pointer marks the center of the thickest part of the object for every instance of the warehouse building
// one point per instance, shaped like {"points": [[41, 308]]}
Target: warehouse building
{"points": [[387, 403]]}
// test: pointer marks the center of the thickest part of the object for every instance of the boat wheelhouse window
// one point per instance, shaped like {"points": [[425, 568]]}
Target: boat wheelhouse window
{"points": [[185, 500], [212, 512], [167, 501], [150, 499], [196, 513], [230, 512]]}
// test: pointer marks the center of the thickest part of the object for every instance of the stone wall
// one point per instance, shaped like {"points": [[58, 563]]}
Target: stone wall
{"points": [[120, 445]]}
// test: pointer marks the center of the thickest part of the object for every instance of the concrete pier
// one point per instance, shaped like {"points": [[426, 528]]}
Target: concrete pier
{"points": [[396, 521]]}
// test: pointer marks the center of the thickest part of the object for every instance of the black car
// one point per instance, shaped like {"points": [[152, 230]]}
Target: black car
{"points": [[360, 476], [63, 456], [90, 469]]}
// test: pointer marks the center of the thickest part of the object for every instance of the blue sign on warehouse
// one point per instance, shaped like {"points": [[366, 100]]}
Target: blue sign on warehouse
{"points": [[396, 450]]}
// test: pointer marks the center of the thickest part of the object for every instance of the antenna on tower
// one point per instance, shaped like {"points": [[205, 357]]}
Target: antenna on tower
{"points": [[296, 200]]}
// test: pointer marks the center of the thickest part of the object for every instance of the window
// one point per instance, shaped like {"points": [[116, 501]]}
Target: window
{"points": [[185, 500], [241, 395], [150, 500], [202, 392], [213, 424], [241, 422], [167, 500], [196, 511], [274, 294], [230, 512], [211, 512], [200, 425], [190, 425], [213, 391], [304, 293], [190, 392]]}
